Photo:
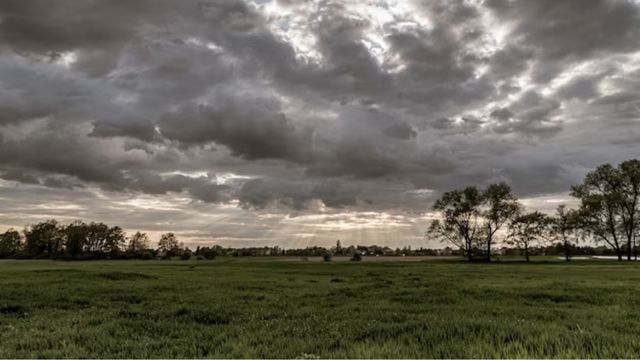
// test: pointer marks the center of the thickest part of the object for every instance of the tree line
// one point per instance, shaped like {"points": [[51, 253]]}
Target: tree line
{"points": [[474, 219], [79, 240]]}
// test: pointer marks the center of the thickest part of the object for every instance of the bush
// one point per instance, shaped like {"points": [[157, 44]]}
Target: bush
{"points": [[356, 257], [186, 255], [147, 255], [327, 257]]}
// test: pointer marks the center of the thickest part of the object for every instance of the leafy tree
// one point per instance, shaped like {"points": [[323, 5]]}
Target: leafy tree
{"points": [[9, 243], [526, 229], [168, 245], [209, 253], [115, 240], [461, 219], [563, 228], [45, 238], [500, 206], [602, 213], [138, 243], [76, 235]]}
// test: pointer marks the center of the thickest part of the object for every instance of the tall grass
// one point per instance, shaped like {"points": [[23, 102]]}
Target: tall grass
{"points": [[301, 309]]}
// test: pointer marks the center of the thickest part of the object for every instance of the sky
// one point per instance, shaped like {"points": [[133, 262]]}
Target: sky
{"points": [[300, 122]]}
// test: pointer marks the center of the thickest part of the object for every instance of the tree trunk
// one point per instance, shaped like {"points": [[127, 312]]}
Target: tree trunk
{"points": [[489, 239], [567, 250], [470, 255], [526, 252]]}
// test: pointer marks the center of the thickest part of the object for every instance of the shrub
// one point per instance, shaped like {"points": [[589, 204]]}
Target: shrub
{"points": [[356, 257], [327, 257], [186, 255]]}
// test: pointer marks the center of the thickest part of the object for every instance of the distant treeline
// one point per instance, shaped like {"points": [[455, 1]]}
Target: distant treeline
{"points": [[86, 241], [475, 220]]}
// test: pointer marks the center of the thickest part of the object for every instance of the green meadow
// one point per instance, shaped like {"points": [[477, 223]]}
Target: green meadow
{"points": [[258, 308]]}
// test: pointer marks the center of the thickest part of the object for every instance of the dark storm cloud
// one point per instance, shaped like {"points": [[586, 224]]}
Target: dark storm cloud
{"points": [[251, 127], [402, 131], [300, 105]]}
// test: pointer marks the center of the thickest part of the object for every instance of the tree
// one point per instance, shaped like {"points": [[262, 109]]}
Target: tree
{"points": [[76, 235], [114, 241], [563, 227], [44, 238], [186, 254], [500, 206], [525, 229], [138, 243], [9, 243], [460, 220], [168, 245], [630, 182], [602, 206]]}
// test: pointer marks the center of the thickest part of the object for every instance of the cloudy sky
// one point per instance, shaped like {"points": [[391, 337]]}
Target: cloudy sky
{"points": [[299, 122]]}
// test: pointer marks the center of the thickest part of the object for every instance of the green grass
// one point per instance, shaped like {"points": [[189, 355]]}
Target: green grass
{"points": [[252, 308]]}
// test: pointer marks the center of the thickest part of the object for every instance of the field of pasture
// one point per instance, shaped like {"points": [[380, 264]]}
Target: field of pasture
{"points": [[306, 309]]}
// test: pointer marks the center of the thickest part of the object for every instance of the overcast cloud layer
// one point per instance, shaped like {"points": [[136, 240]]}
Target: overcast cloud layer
{"points": [[299, 122]]}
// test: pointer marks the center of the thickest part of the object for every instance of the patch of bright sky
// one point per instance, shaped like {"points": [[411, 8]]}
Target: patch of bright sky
{"points": [[225, 178], [209, 45], [292, 24], [190, 174], [585, 67], [156, 203], [628, 67], [549, 203], [60, 205], [66, 59]]}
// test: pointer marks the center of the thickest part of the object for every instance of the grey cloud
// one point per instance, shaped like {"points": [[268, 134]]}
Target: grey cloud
{"points": [[20, 176], [337, 106], [581, 87], [251, 127], [402, 131], [502, 114], [559, 30], [618, 98]]}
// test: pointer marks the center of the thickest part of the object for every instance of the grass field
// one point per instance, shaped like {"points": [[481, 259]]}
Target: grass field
{"points": [[288, 309]]}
